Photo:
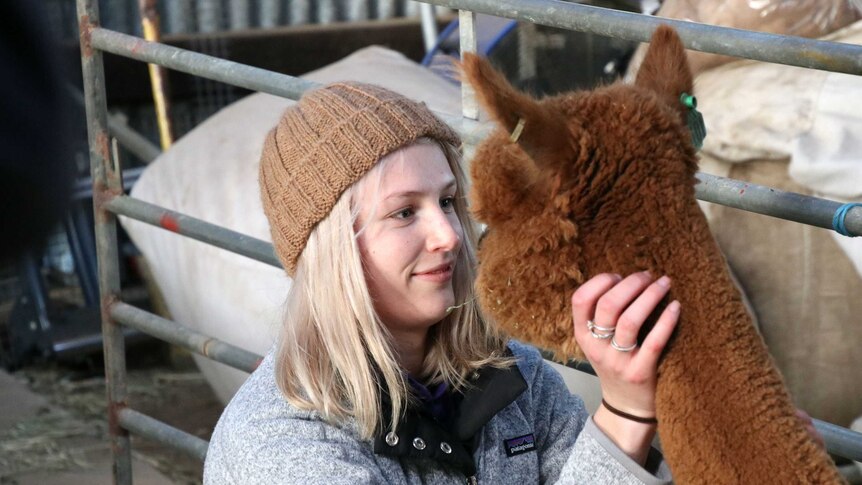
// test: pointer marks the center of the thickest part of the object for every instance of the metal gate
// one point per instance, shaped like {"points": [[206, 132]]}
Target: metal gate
{"points": [[109, 199]]}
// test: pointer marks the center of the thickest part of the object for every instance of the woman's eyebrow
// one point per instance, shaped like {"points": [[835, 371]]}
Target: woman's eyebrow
{"points": [[411, 193]]}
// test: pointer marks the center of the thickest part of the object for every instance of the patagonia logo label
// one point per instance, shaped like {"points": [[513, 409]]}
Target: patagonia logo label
{"points": [[521, 444]]}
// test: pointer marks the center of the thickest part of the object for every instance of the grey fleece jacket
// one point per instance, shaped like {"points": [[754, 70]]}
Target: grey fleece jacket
{"points": [[543, 436]]}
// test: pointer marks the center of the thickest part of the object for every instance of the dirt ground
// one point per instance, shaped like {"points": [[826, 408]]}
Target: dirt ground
{"points": [[161, 383]]}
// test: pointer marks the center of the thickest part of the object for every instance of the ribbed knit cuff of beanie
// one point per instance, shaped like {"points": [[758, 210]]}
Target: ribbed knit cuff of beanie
{"points": [[326, 142]]}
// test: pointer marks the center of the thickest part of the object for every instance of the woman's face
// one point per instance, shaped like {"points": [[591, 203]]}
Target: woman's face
{"points": [[409, 238]]}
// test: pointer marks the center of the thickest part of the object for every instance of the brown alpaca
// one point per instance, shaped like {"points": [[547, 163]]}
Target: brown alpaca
{"points": [[603, 181]]}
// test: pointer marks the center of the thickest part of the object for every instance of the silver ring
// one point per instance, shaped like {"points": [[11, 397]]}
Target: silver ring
{"points": [[592, 325], [617, 346], [602, 336]]}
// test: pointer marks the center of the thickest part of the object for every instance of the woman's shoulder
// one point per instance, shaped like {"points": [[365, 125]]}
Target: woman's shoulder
{"points": [[540, 376], [259, 427], [528, 358], [259, 412]]}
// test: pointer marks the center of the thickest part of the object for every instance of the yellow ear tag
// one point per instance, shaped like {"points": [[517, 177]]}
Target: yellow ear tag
{"points": [[516, 133]]}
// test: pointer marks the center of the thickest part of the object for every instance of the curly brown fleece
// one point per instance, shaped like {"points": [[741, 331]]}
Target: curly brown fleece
{"points": [[603, 181]]}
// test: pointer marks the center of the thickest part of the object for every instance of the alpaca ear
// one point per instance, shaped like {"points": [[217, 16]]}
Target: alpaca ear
{"points": [[665, 68], [541, 130]]}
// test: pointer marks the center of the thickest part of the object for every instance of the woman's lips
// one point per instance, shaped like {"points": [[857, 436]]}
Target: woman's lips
{"points": [[439, 275]]}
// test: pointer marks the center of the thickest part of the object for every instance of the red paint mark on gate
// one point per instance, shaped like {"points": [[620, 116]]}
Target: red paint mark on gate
{"points": [[169, 223]]}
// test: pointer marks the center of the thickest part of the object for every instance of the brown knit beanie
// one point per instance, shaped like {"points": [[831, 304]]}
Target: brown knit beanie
{"points": [[325, 143]]}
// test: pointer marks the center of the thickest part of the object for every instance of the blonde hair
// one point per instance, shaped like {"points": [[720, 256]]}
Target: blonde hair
{"points": [[335, 355]]}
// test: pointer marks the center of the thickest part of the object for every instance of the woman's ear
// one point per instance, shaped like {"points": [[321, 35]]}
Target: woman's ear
{"points": [[665, 69], [538, 128]]}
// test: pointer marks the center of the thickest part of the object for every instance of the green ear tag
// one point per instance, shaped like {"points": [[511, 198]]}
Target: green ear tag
{"points": [[694, 120]]}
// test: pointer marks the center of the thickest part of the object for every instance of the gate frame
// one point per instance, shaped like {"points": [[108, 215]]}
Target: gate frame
{"points": [[109, 199]]}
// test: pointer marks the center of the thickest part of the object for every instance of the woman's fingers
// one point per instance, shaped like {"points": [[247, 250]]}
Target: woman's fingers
{"points": [[624, 305], [658, 337], [612, 304], [633, 317], [809, 426], [585, 297]]}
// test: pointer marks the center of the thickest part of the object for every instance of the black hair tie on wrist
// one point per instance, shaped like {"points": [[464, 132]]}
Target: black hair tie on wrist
{"points": [[628, 416]]}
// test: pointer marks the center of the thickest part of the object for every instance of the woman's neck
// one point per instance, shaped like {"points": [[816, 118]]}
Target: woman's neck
{"points": [[411, 349]]}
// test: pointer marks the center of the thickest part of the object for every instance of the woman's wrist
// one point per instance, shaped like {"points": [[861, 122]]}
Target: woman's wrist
{"points": [[632, 437], [632, 417]]}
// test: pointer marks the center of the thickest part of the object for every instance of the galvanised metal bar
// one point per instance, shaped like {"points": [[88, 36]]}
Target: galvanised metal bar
{"points": [[83, 187], [791, 206], [755, 198], [194, 228], [467, 38], [106, 183], [713, 189], [133, 141], [202, 65], [156, 430], [182, 336], [130, 139], [780, 49], [429, 26], [840, 441]]}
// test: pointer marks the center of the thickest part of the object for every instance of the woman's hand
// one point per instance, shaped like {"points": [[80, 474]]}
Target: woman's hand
{"points": [[809, 426], [608, 312]]}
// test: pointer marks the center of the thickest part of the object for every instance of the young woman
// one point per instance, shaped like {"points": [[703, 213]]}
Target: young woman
{"points": [[386, 370]]}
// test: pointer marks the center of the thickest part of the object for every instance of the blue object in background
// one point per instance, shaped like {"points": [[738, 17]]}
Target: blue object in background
{"points": [[490, 31]]}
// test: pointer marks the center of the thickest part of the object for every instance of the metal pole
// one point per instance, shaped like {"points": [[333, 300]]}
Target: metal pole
{"points": [[194, 228], [763, 200], [182, 336], [156, 430], [780, 49], [840, 441], [791, 206], [467, 32], [239, 74], [106, 184], [429, 25], [713, 189], [201, 65], [130, 139]]}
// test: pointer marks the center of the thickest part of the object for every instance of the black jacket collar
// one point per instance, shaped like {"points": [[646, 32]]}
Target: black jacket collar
{"points": [[420, 436]]}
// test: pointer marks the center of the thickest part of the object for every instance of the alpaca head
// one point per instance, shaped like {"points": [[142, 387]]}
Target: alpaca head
{"points": [[563, 175], [583, 142]]}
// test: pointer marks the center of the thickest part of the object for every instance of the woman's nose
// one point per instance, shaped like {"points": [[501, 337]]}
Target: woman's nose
{"points": [[444, 232]]}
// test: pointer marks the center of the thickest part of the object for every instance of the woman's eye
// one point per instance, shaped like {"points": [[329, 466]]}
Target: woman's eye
{"points": [[447, 203], [403, 213]]}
